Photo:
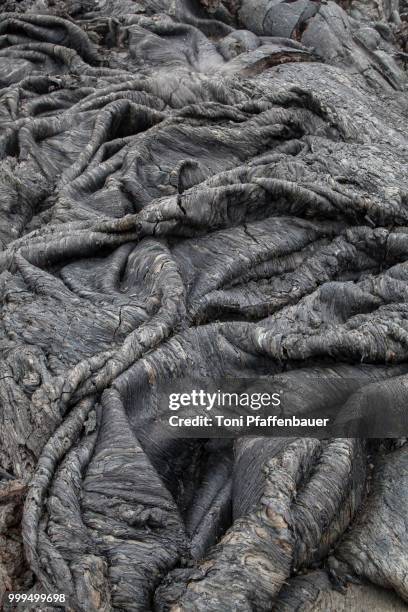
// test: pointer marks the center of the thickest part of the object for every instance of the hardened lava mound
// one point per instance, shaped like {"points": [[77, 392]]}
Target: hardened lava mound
{"points": [[217, 187]]}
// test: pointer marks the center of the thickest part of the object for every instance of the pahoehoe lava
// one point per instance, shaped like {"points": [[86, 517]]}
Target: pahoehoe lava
{"points": [[217, 186]]}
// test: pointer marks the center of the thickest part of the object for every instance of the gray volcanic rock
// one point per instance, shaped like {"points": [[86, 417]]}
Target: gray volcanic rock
{"points": [[216, 188]]}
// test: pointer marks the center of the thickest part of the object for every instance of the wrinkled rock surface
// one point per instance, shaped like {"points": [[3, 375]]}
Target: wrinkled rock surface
{"points": [[217, 187]]}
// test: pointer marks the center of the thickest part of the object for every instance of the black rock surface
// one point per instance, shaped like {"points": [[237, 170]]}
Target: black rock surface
{"points": [[217, 187]]}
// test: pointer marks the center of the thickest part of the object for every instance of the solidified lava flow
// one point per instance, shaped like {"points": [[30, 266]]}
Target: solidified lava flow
{"points": [[217, 187]]}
